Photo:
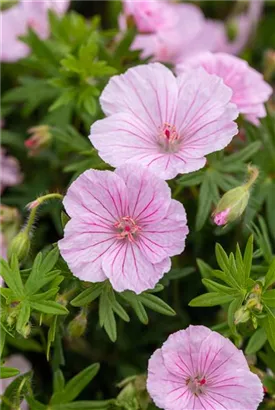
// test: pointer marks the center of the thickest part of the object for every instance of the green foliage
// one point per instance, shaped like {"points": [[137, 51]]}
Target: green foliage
{"points": [[110, 303], [36, 294]]}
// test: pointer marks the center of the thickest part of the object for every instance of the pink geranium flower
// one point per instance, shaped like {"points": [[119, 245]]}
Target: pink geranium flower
{"points": [[124, 227], [19, 362], [201, 370], [10, 172], [165, 123], [18, 19], [250, 91], [166, 29]]}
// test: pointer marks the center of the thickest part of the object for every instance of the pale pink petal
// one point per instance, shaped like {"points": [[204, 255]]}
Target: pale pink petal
{"points": [[206, 118], [236, 389], [149, 92], [126, 268], [102, 194], [121, 137], [212, 374], [167, 237], [249, 90], [149, 197], [165, 387], [84, 245]]}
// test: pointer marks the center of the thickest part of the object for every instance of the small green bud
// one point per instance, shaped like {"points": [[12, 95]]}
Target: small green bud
{"points": [[26, 331], [77, 326], [242, 315], [20, 246], [234, 202]]}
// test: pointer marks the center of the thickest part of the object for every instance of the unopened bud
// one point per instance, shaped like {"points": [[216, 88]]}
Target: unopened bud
{"points": [[40, 138], [77, 326], [234, 202], [242, 315], [26, 331], [20, 246]]}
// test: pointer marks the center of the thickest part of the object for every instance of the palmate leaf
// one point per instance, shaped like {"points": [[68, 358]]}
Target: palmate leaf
{"points": [[110, 303], [235, 272]]}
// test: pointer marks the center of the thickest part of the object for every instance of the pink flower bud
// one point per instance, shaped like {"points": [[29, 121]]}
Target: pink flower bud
{"points": [[221, 217]]}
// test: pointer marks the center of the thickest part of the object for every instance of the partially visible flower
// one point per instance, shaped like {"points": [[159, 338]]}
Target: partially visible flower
{"points": [[10, 171], [250, 91], [16, 21], [165, 123], [243, 25], [234, 202], [166, 29], [124, 227], [40, 138], [199, 369], [19, 362]]}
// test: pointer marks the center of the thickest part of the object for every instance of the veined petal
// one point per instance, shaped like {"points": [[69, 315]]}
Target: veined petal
{"points": [[126, 268], [100, 194], [167, 237], [149, 197], [149, 92]]}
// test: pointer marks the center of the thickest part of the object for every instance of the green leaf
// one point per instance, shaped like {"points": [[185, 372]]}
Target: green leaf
{"points": [[23, 317], [204, 203], [75, 386], [34, 404], [270, 276], [241, 156], [205, 269], [45, 295], [222, 257], [2, 341], [6, 372], [269, 326], [49, 261], [247, 259], [138, 307], [217, 287], [211, 299], [106, 316], [49, 307], [88, 295], [256, 341], [117, 308], [15, 391], [269, 298], [11, 275], [51, 336], [58, 381], [194, 178], [156, 304]]}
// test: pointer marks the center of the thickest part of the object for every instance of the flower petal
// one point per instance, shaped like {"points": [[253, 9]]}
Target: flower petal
{"points": [[83, 247], [97, 194], [167, 237], [126, 268], [149, 197], [149, 92]]}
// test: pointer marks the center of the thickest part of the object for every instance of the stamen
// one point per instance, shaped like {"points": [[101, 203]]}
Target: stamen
{"points": [[169, 138], [127, 228]]}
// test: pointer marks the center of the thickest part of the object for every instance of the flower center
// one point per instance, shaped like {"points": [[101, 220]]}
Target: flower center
{"points": [[169, 139], [127, 228], [196, 385]]}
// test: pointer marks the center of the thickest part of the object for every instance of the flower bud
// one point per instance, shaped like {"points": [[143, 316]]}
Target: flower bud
{"points": [[40, 138], [234, 202], [77, 326], [242, 315], [20, 246], [26, 331]]}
